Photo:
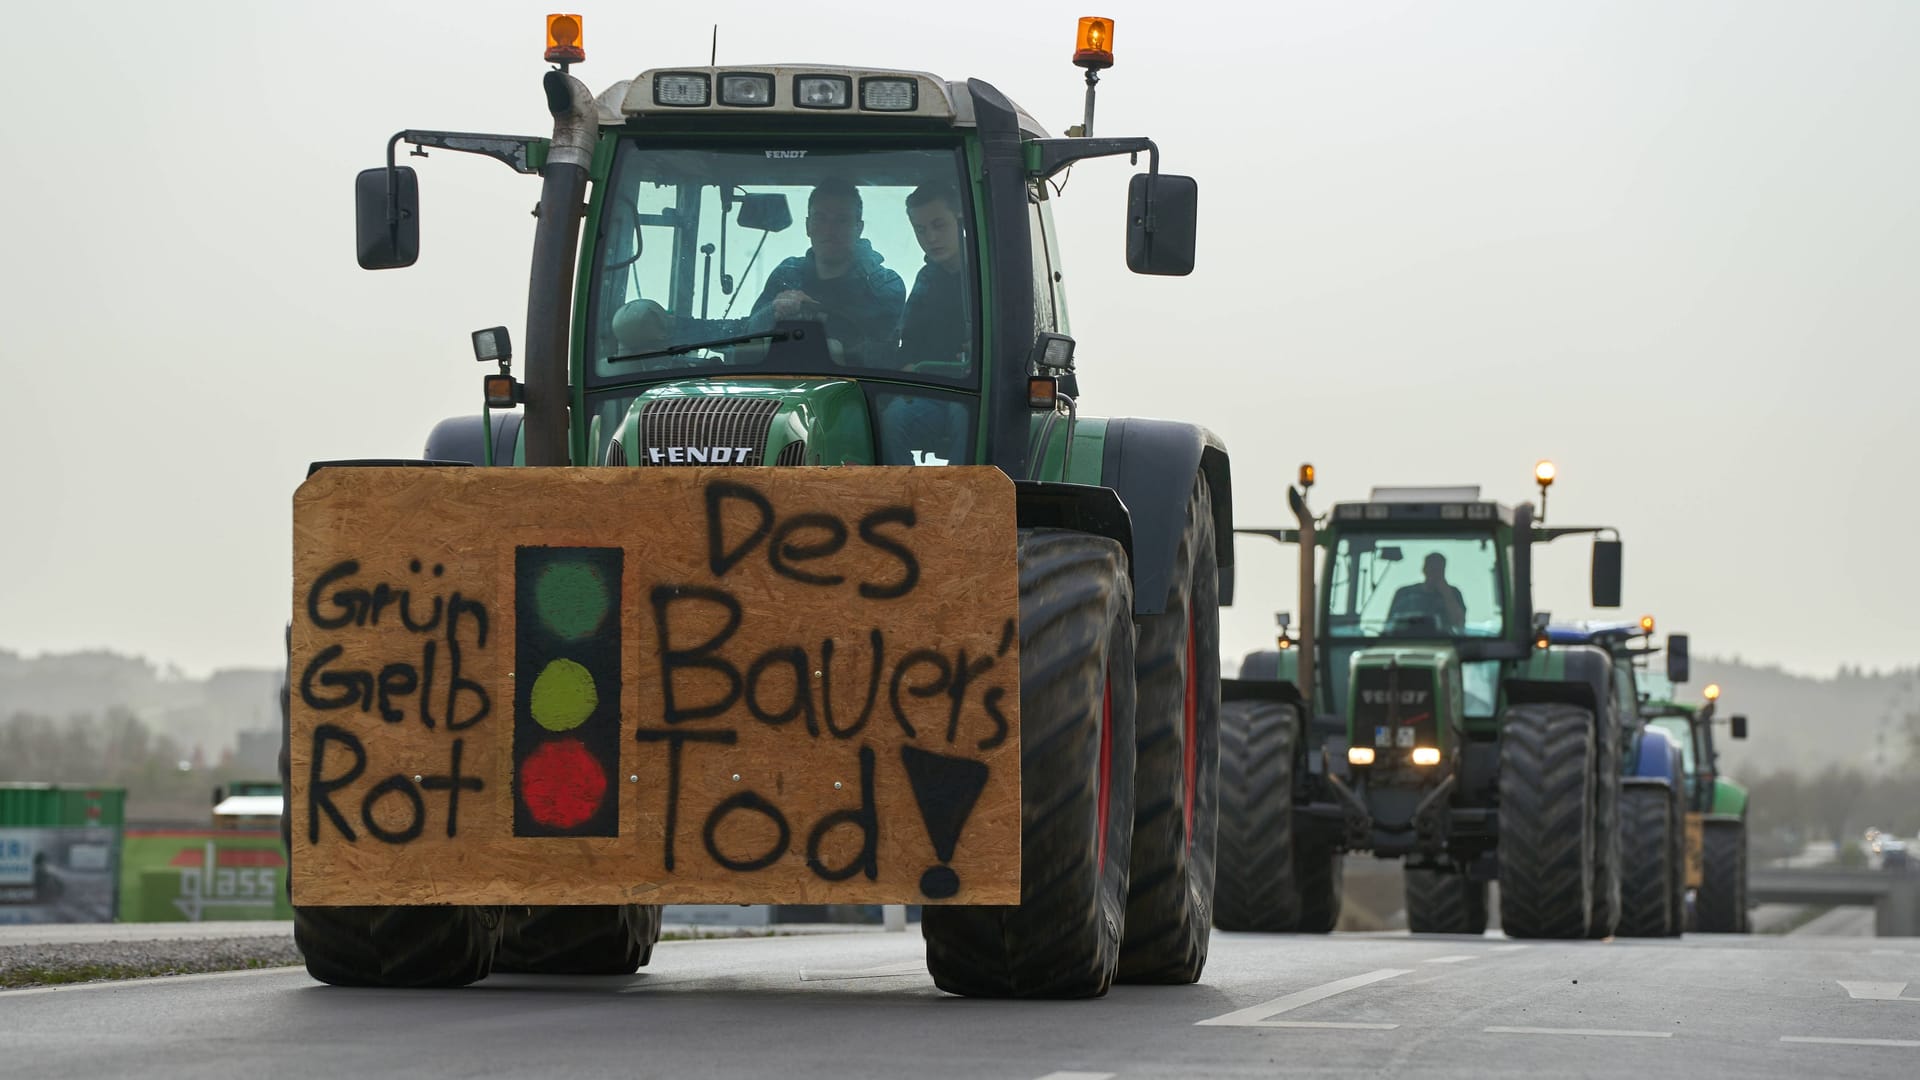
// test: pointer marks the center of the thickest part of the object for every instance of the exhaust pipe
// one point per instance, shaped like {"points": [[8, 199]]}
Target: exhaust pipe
{"points": [[556, 242]]}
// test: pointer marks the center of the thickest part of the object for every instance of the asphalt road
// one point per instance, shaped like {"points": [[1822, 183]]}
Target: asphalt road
{"points": [[861, 1005]]}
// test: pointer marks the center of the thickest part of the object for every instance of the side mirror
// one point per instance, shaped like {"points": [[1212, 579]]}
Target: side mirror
{"points": [[1739, 726], [1161, 224], [1606, 573], [1677, 658], [765, 211], [388, 222]]}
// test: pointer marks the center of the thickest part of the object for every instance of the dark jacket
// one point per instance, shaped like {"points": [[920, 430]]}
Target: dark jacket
{"points": [[934, 326], [863, 305]]}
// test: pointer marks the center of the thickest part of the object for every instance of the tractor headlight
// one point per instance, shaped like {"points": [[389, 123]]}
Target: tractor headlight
{"points": [[1426, 755], [1359, 755], [822, 91], [685, 90], [889, 95], [746, 91]]}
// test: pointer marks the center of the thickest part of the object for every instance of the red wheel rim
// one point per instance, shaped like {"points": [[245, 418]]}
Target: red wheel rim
{"points": [[1106, 764], [1190, 753]]}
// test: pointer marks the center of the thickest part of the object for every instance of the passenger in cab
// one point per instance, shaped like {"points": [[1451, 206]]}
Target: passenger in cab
{"points": [[934, 327], [841, 280]]}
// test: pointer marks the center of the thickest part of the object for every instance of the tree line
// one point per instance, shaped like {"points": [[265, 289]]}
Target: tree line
{"points": [[165, 781]]}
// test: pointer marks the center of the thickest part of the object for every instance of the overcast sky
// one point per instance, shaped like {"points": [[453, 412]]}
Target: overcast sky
{"points": [[1672, 246]]}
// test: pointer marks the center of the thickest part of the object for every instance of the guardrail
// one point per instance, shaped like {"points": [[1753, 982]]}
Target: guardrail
{"points": [[1893, 895]]}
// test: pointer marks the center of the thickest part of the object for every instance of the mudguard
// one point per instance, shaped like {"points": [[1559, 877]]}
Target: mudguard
{"points": [[1573, 674], [1262, 690], [1151, 463], [1655, 756], [1080, 507], [1729, 799], [463, 438], [1270, 664]]}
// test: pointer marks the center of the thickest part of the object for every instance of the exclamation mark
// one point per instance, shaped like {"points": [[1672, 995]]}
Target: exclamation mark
{"points": [[946, 789]]}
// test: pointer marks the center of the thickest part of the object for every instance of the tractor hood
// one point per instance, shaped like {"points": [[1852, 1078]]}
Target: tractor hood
{"points": [[1400, 698], [744, 422]]}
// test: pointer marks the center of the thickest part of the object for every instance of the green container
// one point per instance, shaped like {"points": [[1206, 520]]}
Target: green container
{"points": [[51, 806]]}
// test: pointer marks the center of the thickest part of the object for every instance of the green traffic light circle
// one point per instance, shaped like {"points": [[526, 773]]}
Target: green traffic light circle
{"points": [[563, 696], [572, 599]]}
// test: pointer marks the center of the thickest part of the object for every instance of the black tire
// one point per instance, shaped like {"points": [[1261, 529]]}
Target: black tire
{"points": [[1646, 841], [1608, 869], [1270, 879], [1176, 809], [1722, 903], [397, 946], [381, 946], [1076, 667], [1254, 888], [1677, 806], [1445, 902], [1320, 871], [1547, 826], [597, 939]]}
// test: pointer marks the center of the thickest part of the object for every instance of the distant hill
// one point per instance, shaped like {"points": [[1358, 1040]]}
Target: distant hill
{"points": [[205, 714], [1805, 724]]}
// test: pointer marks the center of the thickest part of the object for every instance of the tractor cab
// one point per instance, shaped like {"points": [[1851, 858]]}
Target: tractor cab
{"points": [[1419, 589], [788, 265]]}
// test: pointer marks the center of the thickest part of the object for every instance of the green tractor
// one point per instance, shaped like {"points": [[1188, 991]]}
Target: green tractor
{"points": [[1716, 806], [1417, 713], [713, 282]]}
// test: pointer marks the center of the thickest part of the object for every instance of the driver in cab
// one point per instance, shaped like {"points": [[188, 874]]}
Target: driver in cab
{"points": [[841, 280], [1432, 603]]}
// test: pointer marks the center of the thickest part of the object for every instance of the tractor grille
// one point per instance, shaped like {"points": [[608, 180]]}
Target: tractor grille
{"points": [[616, 453], [1393, 710], [705, 431], [794, 453]]}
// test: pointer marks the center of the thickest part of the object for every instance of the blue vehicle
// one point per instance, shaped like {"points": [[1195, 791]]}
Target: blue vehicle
{"points": [[1653, 777]]}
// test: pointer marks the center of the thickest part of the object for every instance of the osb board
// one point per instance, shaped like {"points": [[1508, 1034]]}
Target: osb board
{"points": [[809, 678]]}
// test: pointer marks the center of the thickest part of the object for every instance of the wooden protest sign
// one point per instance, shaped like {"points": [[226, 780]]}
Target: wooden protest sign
{"points": [[685, 685]]}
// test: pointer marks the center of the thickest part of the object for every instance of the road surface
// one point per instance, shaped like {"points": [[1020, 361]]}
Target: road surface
{"points": [[862, 1005]]}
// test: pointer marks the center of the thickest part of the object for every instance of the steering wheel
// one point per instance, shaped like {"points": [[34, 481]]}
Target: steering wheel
{"points": [[1424, 620]]}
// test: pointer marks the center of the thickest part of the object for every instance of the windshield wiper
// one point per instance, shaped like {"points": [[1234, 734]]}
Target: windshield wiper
{"points": [[718, 343]]}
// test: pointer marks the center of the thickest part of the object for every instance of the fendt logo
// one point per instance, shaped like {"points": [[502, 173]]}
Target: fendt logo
{"points": [[700, 455], [1389, 697]]}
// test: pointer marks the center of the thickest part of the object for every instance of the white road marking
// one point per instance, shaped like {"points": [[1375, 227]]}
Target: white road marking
{"points": [[1508, 948], [883, 971], [1257, 1014], [1448, 959], [1078, 1076], [157, 980], [1848, 1042], [1875, 991], [1335, 1025], [1579, 1031]]}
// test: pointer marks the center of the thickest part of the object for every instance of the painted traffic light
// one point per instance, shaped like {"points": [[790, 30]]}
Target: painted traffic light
{"points": [[566, 696]]}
